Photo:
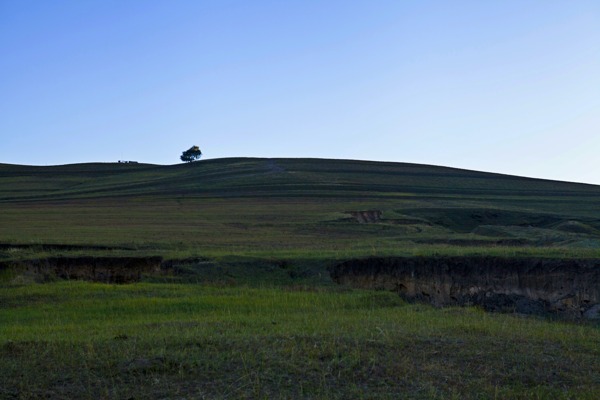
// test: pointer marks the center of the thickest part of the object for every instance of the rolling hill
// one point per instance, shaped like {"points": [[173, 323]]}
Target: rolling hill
{"points": [[292, 207], [254, 275]]}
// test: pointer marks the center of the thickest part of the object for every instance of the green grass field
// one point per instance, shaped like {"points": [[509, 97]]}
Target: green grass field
{"points": [[255, 315], [82, 340]]}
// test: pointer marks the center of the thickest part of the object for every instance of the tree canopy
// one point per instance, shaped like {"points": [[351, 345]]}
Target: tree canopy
{"points": [[191, 154]]}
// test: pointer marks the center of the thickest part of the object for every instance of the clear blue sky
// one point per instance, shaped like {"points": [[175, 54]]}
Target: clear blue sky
{"points": [[501, 86]]}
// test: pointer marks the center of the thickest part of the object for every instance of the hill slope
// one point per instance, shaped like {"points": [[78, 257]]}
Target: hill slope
{"points": [[251, 177], [292, 206]]}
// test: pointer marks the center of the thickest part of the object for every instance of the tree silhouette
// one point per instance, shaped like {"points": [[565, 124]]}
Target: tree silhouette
{"points": [[191, 154]]}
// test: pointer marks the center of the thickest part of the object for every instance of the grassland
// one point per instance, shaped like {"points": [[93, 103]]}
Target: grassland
{"points": [[82, 340], [255, 315], [290, 208]]}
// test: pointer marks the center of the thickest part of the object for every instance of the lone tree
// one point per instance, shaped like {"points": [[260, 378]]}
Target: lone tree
{"points": [[191, 154]]}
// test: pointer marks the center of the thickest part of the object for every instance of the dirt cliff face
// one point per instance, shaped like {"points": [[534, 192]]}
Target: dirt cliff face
{"points": [[97, 269], [532, 286], [366, 217]]}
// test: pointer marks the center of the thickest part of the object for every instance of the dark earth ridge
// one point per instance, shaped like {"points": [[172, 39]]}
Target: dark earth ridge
{"points": [[95, 269], [563, 287], [62, 247]]}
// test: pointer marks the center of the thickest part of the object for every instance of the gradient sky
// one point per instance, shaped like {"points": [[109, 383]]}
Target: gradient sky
{"points": [[500, 86]]}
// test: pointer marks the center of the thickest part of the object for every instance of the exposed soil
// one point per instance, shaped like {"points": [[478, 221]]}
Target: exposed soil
{"points": [[562, 287], [97, 269], [365, 217]]}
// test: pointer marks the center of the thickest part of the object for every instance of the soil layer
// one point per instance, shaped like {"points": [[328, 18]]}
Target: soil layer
{"points": [[524, 285], [96, 269]]}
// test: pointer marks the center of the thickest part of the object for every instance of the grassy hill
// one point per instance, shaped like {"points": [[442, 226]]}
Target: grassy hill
{"points": [[251, 311], [274, 204], [246, 177], [293, 208]]}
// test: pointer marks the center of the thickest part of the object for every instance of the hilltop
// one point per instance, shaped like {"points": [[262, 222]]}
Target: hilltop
{"points": [[231, 177]]}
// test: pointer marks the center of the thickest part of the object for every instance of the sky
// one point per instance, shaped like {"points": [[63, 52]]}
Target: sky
{"points": [[500, 86]]}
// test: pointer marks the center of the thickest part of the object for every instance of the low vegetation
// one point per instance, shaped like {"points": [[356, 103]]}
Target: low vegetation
{"points": [[290, 207], [82, 340], [249, 310]]}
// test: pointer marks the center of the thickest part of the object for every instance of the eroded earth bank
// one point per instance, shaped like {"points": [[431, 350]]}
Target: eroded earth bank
{"points": [[95, 269], [563, 287]]}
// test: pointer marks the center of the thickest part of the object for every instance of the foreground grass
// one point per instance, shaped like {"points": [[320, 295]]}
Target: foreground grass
{"points": [[83, 340]]}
